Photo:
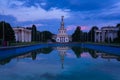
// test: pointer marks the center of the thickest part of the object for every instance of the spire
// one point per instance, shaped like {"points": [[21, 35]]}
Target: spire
{"points": [[62, 22]]}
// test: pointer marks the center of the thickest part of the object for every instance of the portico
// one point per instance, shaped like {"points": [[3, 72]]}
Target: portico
{"points": [[106, 34], [22, 34]]}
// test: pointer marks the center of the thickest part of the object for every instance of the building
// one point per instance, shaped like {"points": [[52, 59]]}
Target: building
{"points": [[62, 53], [106, 34], [22, 34], [62, 35]]}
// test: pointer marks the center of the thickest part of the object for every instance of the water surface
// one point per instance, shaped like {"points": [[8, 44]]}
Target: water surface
{"points": [[61, 63]]}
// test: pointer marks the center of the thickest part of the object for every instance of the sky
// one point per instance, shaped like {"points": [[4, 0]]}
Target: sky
{"points": [[46, 14]]}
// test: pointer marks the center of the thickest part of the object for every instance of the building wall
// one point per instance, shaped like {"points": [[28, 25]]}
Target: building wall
{"points": [[62, 35], [22, 34], [106, 34]]}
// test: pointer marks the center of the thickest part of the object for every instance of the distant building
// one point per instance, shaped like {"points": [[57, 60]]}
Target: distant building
{"points": [[22, 34], [106, 34], [62, 35]]}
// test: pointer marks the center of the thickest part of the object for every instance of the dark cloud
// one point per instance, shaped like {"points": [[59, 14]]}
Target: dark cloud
{"points": [[8, 18], [79, 5], [82, 12], [74, 5]]}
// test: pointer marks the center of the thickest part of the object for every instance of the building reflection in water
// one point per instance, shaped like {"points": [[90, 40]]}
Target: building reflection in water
{"points": [[62, 50], [33, 54], [108, 56]]}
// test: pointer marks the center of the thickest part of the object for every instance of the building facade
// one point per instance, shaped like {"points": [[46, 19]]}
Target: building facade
{"points": [[62, 35], [106, 34], [62, 53], [22, 34]]}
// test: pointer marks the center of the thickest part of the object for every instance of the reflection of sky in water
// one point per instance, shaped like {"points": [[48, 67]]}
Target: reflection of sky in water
{"points": [[77, 66]]}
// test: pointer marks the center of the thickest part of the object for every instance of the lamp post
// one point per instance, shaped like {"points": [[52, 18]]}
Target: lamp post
{"points": [[3, 30]]}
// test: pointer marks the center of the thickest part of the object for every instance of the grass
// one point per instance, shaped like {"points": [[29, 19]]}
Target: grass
{"points": [[23, 43], [32, 43], [109, 44]]}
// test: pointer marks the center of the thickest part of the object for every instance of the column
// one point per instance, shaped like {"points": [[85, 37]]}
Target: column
{"points": [[30, 36], [103, 36], [22, 35], [26, 36], [18, 35], [95, 37], [98, 37]]}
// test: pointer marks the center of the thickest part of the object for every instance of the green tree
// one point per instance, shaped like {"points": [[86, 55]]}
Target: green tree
{"points": [[34, 55], [46, 50], [93, 53], [118, 25], [91, 33], [76, 36], [117, 40], [84, 36], [3, 62], [78, 51], [46, 36], [38, 36], [8, 32], [34, 33]]}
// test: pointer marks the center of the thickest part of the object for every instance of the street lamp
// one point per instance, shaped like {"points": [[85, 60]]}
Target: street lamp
{"points": [[3, 30]]}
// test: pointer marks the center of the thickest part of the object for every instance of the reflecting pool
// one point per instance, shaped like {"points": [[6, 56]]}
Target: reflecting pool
{"points": [[61, 63]]}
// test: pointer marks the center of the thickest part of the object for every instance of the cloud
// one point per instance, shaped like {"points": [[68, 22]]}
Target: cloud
{"points": [[85, 54], [32, 13], [73, 27], [86, 13], [43, 4], [85, 28], [30, 25], [80, 5], [69, 55]]}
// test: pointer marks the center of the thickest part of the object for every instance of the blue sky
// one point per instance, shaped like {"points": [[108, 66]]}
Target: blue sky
{"points": [[46, 14]]}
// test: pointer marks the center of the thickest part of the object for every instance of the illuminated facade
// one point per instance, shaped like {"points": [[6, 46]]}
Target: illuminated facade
{"points": [[22, 34], [62, 35], [106, 34]]}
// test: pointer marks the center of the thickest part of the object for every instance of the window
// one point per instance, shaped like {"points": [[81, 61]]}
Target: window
{"points": [[57, 39]]}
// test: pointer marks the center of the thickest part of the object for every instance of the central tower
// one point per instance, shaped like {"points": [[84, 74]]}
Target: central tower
{"points": [[62, 36], [62, 22]]}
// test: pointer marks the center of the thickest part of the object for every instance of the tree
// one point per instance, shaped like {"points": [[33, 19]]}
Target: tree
{"points": [[3, 62], [46, 36], [76, 36], [34, 55], [77, 51], [91, 33], [118, 25], [9, 34], [117, 40], [34, 33], [93, 53], [38, 38], [84, 36], [46, 50]]}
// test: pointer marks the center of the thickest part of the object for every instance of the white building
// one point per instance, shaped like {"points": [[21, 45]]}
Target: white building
{"points": [[62, 53], [106, 34], [62, 36], [22, 34]]}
